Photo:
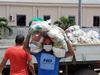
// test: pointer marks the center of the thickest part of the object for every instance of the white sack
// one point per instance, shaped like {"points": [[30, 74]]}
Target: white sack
{"points": [[59, 37], [59, 52], [39, 26]]}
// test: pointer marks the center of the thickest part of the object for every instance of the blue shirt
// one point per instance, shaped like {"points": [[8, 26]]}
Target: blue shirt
{"points": [[48, 64]]}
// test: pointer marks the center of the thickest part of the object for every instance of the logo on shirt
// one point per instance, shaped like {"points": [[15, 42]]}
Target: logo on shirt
{"points": [[47, 61]]}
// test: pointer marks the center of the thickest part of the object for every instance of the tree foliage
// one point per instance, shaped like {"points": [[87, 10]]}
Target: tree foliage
{"points": [[64, 22], [4, 25]]}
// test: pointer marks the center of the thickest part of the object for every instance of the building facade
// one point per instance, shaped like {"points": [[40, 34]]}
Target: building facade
{"points": [[20, 13]]}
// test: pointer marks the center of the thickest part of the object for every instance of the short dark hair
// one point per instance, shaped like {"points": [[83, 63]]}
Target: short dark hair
{"points": [[19, 39], [47, 39]]}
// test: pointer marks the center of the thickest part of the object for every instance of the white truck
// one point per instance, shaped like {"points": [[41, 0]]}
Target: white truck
{"points": [[85, 62]]}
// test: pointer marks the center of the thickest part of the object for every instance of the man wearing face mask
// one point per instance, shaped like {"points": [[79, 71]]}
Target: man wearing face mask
{"points": [[47, 44], [48, 63]]}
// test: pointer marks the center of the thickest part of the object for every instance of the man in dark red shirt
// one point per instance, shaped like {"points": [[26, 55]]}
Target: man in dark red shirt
{"points": [[19, 59]]}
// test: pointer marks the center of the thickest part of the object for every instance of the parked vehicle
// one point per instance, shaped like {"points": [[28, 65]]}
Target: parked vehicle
{"points": [[85, 61]]}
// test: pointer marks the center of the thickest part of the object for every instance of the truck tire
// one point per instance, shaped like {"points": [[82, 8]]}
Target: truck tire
{"points": [[86, 72]]}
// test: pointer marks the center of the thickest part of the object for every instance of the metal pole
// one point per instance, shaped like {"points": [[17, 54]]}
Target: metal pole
{"points": [[79, 12], [37, 13]]}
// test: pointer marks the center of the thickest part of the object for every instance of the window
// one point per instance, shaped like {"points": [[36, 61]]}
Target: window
{"points": [[96, 21], [71, 18], [21, 20], [46, 17]]}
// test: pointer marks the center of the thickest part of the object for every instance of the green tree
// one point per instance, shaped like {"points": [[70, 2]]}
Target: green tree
{"points": [[64, 22], [4, 26]]}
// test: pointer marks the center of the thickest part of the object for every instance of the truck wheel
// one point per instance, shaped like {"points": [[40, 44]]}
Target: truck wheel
{"points": [[86, 72]]}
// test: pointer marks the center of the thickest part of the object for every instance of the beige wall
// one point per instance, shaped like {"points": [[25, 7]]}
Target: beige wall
{"points": [[3, 11], [52, 11], [55, 11], [88, 14], [22, 10], [70, 11]]}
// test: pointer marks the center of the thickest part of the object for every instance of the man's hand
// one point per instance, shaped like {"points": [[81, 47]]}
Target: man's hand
{"points": [[2, 64], [32, 67], [1, 68], [69, 53]]}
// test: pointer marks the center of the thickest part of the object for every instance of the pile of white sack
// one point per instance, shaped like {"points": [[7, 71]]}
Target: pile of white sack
{"points": [[78, 36], [57, 35]]}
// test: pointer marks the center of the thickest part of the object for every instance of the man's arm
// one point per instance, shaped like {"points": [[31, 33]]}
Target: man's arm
{"points": [[70, 51], [2, 64], [31, 67], [26, 43]]}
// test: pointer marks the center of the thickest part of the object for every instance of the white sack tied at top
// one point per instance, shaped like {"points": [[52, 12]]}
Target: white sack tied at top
{"points": [[36, 39], [36, 42], [92, 34], [39, 26], [55, 33], [76, 34], [59, 37]]}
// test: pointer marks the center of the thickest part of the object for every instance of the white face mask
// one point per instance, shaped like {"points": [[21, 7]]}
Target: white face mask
{"points": [[47, 47]]}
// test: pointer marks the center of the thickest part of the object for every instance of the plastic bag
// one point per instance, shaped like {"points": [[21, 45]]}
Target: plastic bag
{"points": [[59, 37], [39, 26]]}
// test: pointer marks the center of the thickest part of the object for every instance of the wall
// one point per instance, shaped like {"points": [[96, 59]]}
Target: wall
{"points": [[3, 11], [21, 10], [70, 11], [53, 9], [88, 14]]}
